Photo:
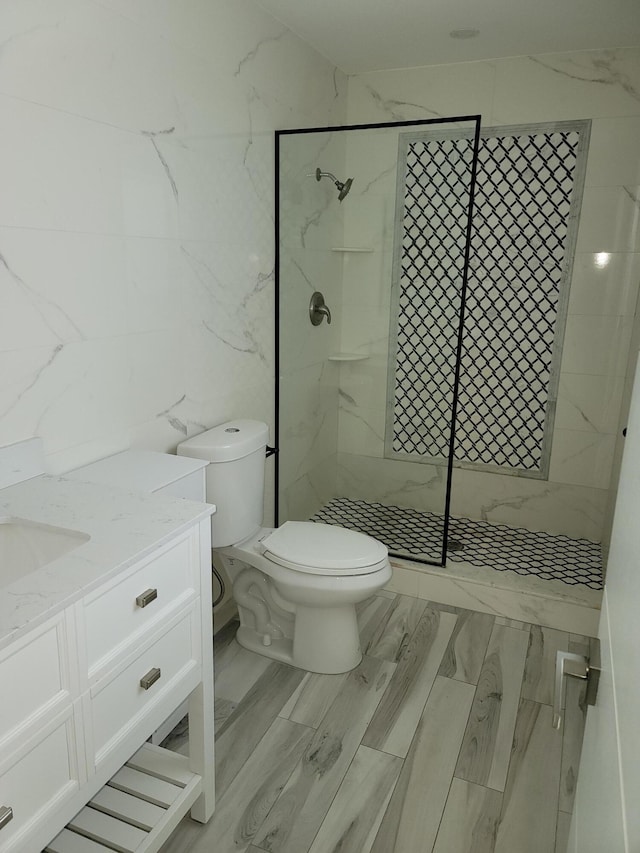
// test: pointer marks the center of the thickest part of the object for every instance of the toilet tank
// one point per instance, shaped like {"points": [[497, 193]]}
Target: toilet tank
{"points": [[235, 476]]}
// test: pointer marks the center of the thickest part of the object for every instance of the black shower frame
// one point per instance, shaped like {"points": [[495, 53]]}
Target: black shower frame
{"points": [[476, 119]]}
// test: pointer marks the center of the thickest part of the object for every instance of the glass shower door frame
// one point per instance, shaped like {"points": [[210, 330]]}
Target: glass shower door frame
{"points": [[475, 125]]}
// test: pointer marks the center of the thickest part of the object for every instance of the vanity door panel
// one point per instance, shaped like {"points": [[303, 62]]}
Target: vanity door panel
{"points": [[37, 779], [34, 674]]}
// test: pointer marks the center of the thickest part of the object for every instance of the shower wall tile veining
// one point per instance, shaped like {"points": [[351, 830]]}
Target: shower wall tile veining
{"points": [[310, 225], [603, 87], [136, 216]]}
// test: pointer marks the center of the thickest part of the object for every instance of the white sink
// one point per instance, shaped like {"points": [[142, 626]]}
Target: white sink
{"points": [[27, 545]]}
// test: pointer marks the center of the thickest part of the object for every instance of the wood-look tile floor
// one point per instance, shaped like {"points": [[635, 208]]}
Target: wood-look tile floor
{"points": [[439, 742]]}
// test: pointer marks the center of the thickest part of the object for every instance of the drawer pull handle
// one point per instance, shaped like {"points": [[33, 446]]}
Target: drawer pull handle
{"points": [[146, 597], [6, 814], [150, 678]]}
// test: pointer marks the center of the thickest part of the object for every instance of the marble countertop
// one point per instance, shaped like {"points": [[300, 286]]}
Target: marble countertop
{"points": [[123, 527]]}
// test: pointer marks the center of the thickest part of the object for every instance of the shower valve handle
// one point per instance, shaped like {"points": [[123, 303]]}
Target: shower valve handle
{"points": [[318, 310]]}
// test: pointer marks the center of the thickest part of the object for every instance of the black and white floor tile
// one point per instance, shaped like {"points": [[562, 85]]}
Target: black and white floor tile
{"points": [[410, 532]]}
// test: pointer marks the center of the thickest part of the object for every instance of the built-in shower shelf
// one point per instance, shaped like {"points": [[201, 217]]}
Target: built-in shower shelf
{"points": [[347, 356], [354, 249]]}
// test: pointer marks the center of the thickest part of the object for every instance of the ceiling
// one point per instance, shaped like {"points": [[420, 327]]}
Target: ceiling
{"points": [[368, 35]]}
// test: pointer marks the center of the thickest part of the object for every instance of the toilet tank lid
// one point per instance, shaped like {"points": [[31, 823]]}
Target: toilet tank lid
{"points": [[308, 543], [226, 442]]}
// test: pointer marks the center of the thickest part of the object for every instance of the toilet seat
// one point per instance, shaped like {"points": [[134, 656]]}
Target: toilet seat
{"points": [[323, 549]]}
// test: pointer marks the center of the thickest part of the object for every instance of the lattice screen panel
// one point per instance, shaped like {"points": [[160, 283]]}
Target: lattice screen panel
{"points": [[437, 188], [517, 269]]}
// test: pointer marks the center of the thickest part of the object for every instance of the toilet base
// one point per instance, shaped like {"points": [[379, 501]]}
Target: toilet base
{"points": [[280, 649], [326, 640]]}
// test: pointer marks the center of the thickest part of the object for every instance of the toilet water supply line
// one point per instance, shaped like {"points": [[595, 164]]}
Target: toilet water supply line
{"points": [[220, 581], [254, 605]]}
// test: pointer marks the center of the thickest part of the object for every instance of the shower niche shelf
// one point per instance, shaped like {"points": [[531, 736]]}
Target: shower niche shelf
{"points": [[347, 356], [353, 249]]}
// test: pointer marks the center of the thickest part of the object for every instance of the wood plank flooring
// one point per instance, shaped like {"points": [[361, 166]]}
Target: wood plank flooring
{"points": [[439, 742]]}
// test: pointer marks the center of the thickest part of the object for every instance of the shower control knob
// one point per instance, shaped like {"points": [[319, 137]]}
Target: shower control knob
{"points": [[318, 310]]}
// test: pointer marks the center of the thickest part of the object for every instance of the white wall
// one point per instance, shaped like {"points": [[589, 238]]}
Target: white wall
{"points": [[136, 215], [602, 86]]}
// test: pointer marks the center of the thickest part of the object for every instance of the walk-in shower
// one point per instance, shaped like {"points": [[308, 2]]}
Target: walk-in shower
{"points": [[427, 414]]}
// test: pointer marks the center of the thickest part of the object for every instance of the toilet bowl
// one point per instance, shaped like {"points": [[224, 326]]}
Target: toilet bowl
{"points": [[296, 586]]}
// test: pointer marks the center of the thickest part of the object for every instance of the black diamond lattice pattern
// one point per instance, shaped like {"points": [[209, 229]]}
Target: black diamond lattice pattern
{"points": [[521, 213], [417, 533], [437, 188]]}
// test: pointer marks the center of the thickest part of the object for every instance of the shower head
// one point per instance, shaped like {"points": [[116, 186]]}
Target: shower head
{"points": [[342, 187]]}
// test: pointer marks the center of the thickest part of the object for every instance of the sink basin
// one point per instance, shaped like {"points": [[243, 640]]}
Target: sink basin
{"points": [[27, 545]]}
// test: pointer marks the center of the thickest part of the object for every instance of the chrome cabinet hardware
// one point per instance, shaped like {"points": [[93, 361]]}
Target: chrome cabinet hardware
{"points": [[577, 666], [146, 597], [150, 678], [6, 814], [318, 310]]}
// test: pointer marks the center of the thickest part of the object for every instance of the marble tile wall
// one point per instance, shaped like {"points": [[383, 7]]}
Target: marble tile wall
{"points": [[603, 86], [137, 216], [311, 227], [369, 215]]}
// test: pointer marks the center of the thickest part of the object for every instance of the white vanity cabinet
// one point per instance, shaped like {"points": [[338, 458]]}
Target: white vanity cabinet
{"points": [[42, 764], [82, 692]]}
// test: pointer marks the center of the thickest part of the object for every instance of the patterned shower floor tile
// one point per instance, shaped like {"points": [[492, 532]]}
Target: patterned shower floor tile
{"points": [[409, 532]]}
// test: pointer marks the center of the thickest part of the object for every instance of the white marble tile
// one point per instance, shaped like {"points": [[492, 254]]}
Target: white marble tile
{"points": [[147, 122], [596, 345], [404, 581], [392, 481], [364, 383], [419, 93], [153, 276], [608, 220], [367, 278], [582, 458], [309, 420], [49, 45], [68, 394], [560, 508], [61, 172], [369, 219], [508, 580], [61, 287], [613, 152], [589, 403], [561, 86], [156, 375], [309, 493], [365, 323], [604, 283], [361, 429], [525, 607]]}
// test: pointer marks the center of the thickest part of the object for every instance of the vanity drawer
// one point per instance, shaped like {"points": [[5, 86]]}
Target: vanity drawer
{"points": [[141, 598], [37, 780], [33, 674], [170, 666]]}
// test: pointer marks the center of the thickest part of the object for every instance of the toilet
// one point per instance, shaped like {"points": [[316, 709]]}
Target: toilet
{"points": [[296, 586]]}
